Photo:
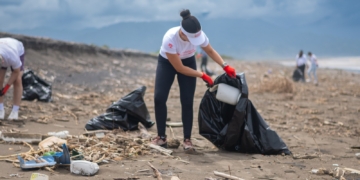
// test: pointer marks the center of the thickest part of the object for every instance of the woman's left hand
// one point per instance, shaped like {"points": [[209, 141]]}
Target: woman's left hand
{"points": [[230, 71]]}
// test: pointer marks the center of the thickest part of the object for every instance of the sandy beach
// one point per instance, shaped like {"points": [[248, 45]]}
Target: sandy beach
{"points": [[319, 124]]}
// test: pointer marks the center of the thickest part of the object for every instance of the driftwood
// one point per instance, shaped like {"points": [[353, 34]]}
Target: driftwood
{"points": [[306, 156], [161, 149], [174, 124], [355, 147], [227, 176], [96, 131], [352, 170], [157, 173]]}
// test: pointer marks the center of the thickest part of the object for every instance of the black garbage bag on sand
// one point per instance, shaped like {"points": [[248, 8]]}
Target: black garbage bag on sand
{"points": [[297, 75], [35, 88], [237, 127], [125, 114]]}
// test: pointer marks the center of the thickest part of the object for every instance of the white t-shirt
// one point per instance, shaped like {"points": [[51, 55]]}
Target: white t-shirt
{"points": [[11, 50], [300, 60], [313, 59], [173, 44]]}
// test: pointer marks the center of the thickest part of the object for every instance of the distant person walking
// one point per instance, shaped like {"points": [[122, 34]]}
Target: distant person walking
{"points": [[177, 58], [204, 59], [300, 65], [313, 67], [12, 54]]}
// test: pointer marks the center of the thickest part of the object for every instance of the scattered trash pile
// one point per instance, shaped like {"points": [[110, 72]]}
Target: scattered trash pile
{"points": [[236, 126], [82, 153]]}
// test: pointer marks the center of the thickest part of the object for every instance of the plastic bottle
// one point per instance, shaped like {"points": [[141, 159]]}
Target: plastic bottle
{"points": [[60, 134]]}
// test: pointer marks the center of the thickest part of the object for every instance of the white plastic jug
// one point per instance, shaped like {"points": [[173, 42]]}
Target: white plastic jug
{"points": [[226, 93]]}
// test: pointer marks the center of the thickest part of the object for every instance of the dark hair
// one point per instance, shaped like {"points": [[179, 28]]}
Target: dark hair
{"points": [[300, 53], [309, 53], [189, 22]]}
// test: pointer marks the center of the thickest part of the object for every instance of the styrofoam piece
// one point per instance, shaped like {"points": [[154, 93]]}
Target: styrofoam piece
{"points": [[83, 167], [38, 176], [227, 94], [60, 134]]}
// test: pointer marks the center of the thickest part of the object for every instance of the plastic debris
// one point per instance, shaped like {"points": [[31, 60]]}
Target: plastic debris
{"points": [[84, 168], [237, 127], [125, 114], [35, 88], [39, 162], [38, 176], [60, 134]]}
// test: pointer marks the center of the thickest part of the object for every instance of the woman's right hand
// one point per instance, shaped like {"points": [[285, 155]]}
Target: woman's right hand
{"points": [[207, 79]]}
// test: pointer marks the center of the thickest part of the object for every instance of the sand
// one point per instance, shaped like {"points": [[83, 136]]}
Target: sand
{"points": [[321, 120]]}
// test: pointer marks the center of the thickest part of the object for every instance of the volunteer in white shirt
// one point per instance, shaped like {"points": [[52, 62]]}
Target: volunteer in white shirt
{"points": [[11, 55], [313, 67], [301, 64], [177, 58]]}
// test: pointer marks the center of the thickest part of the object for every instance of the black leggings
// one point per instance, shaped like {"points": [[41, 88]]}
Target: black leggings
{"points": [[165, 75]]}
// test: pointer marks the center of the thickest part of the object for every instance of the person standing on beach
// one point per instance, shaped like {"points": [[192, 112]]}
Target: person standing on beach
{"points": [[12, 54], [177, 57], [313, 67], [204, 59], [301, 64]]}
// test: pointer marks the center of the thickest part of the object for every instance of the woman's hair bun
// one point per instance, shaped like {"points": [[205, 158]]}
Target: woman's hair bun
{"points": [[185, 13]]}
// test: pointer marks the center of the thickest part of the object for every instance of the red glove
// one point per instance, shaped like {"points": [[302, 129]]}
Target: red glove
{"points": [[207, 79], [230, 71], [4, 90]]}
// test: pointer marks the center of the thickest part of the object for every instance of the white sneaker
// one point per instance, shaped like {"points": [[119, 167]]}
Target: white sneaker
{"points": [[14, 115], [2, 114]]}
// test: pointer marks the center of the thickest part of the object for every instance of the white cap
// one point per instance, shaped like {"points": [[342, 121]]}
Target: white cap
{"points": [[194, 38]]}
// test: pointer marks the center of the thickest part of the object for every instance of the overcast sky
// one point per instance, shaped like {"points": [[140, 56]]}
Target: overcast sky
{"points": [[79, 14]]}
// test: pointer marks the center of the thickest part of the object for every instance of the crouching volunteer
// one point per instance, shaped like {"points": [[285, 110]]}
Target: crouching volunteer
{"points": [[177, 57], [11, 55]]}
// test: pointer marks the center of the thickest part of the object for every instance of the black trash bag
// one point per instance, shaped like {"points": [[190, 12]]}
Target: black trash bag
{"points": [[297, 75], [35, 88], [125, 114], [237, 128]]}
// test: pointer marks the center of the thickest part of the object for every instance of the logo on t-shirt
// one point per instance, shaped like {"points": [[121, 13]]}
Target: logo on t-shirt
{"points": [[198, 34], [170, 45]]}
